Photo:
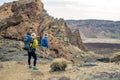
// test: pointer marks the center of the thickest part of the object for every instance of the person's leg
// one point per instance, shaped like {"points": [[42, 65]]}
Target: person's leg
{"points": [[29, 59], [44, 52], [35, 60]]}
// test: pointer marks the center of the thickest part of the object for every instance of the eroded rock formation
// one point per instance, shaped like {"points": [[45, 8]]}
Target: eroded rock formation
{"points": [[26, 15]]}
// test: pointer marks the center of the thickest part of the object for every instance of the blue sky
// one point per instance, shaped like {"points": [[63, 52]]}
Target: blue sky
{"points": [[82, 9]]}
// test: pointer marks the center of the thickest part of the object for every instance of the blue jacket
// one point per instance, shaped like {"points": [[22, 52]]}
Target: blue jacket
{"points": [[28, 39], [44, 42]]}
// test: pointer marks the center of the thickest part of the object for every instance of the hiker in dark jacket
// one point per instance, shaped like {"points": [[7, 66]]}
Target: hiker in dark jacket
{"points": [[44, 44]]}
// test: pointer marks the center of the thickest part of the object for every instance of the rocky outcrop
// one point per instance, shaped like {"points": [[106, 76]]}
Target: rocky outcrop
{"points": [[76, 40], [29, 15], [5, 11]]}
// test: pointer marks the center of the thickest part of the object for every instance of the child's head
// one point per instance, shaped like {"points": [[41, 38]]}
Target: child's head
{"points": [[33, 35]]}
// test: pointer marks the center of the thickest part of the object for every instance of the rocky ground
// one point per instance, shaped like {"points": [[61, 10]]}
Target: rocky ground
{"points": [[13, 70], [13, 65]]}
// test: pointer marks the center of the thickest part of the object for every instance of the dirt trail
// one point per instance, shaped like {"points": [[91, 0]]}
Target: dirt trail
{"points": [[18, 71]]}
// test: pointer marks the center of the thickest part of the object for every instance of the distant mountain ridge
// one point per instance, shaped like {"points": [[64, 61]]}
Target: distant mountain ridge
{"points": [[93, 28]]}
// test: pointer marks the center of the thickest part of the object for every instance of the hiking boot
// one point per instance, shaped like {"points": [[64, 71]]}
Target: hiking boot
{"points": [[30, 67], [34, 68]]}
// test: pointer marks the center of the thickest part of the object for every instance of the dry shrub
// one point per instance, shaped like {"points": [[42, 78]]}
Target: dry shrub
{"points": [[1, 66], [59, 64], [64, 78], [115, 57]]}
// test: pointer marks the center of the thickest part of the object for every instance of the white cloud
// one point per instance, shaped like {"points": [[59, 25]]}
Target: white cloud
{"points": [[53, 0], [94, 4], [85, 9], [82, 9]]}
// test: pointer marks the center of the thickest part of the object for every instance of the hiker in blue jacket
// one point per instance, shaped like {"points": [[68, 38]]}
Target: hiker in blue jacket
{"points": [[44, 44], [27, 40]]}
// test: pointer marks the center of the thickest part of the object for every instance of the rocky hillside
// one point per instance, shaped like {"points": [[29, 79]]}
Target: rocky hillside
{"points": [[19, 17], [96, 28]]}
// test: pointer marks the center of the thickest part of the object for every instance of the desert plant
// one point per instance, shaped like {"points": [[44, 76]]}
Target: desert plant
{"points": [[59, 64], [1, 66], [64, 78]]}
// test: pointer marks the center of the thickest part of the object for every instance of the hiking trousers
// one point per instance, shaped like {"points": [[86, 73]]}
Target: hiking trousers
{"points": [[32, 54]]}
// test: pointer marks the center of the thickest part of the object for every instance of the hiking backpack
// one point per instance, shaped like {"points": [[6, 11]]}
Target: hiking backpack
{"points": [[27, 40]]}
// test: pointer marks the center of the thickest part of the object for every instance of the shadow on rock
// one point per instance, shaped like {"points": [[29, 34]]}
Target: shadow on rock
{"points": [[106, 60], [108, 76]]}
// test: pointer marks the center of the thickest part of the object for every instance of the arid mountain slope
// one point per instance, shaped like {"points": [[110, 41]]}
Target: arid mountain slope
{"points": [[96, 28]]}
